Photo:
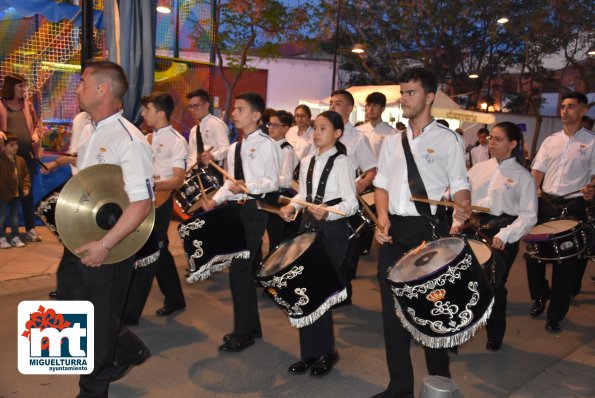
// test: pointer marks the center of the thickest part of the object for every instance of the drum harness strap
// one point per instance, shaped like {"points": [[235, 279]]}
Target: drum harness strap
{"points": [[322, 183], [417, 187], [238, 172]]}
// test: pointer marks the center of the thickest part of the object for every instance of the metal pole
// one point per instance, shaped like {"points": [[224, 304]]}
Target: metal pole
{"points": [[87, 28], [177, 29], [336, 44]]}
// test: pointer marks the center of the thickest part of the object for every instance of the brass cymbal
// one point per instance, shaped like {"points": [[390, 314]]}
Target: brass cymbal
{"points": [[90, 204]]}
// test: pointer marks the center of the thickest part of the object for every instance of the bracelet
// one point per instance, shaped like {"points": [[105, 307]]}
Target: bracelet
{"points": [[105, 246]]}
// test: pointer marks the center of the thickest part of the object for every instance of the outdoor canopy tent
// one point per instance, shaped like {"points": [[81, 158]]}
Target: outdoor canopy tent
{"points": [[443, 107]]}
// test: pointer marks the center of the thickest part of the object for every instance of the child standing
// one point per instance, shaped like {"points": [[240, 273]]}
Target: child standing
{"points": [[15, 181]]}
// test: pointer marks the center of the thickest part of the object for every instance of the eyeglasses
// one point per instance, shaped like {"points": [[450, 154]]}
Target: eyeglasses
{"points": [[496, 139], [275, 125], [194, 106]]}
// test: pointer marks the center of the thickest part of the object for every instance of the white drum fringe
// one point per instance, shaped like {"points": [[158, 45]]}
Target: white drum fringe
{"points": [[150, 259], [217, 263], [446, 341], [324, 307]]}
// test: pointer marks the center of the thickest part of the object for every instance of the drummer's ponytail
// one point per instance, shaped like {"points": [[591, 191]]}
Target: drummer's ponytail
{"points": [[513, 133], [337, 122]]}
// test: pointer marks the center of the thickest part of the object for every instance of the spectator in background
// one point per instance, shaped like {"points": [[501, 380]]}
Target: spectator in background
{"points": [[480, 152], [300, 135], [17, 115], [14, 180], [375, 129]]}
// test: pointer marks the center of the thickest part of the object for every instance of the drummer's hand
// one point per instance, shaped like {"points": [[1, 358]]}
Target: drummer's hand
{"points": [[360, 186], [287, 212], [237, 187], [462, 211], [588, 192], [206, 156], [498, 244], [455, 229], [381, 230], [318, 212], [96, 253]]}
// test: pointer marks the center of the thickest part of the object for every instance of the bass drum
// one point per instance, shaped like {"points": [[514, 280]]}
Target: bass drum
{"points": [[441, 293]]}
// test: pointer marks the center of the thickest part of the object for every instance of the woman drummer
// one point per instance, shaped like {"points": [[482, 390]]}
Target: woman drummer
{"points": [[328, 180], [503, 185]]}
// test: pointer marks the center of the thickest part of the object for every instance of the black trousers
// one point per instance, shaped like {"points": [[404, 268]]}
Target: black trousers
{"points": [[564, 273], [241, 271], [164, 269], [106, 287], [496, 326], [319, 338], [407, 233]]}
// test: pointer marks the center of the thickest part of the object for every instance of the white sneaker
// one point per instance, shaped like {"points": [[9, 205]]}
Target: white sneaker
{"points": [[17, 242], [4, 243], [32, 236]]}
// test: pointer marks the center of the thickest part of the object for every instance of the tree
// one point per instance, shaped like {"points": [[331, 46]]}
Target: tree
{"points": [[251, 28]]}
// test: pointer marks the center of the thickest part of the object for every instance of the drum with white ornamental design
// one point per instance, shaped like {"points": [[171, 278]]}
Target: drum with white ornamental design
{"points": [[300, 278], [441, 293]]}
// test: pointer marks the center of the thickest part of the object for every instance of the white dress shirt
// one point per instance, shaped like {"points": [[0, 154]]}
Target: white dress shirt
{"points": [[261, 163], [440, 158], [289, 162], [302, 145], [169, 150], [215, 135], [359, 150], [568, 163], [340, 182], [117, 141], [376, 134], [479, 153], [505, 188]]}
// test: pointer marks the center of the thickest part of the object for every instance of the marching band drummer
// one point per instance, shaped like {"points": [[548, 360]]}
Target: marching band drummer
{"points": [[254, 164], [278, 125], [503, 185], [209, 139], [170, 152], [113, 141], [438, 163], [327, 178], [565, 163]]}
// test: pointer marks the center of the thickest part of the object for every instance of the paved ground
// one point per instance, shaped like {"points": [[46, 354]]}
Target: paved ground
{"points": [[186, 363]]}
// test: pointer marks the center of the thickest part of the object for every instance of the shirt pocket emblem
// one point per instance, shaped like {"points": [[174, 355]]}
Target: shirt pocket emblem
{"points": [[252, 154], [428, 156], [508, 184]]}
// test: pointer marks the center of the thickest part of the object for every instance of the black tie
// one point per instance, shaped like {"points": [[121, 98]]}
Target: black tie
{"points": [[200, 147], [238, 170]]}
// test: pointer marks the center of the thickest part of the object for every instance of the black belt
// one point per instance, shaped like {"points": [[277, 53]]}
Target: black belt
{"points": [[559, 200]]}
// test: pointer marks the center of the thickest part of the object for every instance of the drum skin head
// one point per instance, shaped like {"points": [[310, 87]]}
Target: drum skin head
{"points": [[418, 263], [286, 253], [481, 250]]}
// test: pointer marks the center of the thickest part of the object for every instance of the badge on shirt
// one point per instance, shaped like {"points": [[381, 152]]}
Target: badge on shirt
{"points": [[428, 156], [252, 154], [508, 184], [582, 150], [100, 158]]}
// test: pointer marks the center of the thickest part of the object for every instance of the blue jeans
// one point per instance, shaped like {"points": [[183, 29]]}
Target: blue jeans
{"points": [[10, 211]]}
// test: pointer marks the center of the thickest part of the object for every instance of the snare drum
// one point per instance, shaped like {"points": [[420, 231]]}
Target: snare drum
{"points": [[556, 240], [485, 257], [188, 197], [299, 277], [46, 210], [361, 220], [441, 294]]}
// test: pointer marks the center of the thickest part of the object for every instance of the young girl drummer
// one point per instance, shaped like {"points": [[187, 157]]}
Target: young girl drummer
{"points": [[504, 186], [317, 342]]}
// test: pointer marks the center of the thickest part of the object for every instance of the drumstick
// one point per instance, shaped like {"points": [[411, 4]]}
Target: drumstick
{"points": [[312, 205], [203, 194], [573, 192], [274, 210], [372, 215], [447, 204], [228, 176]]}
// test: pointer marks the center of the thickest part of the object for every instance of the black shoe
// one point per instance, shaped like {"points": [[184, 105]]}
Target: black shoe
{"points": [[53, 294], [122, 370], [552, 327], [324, 364], [237, 343], [493, 345], [256, 334], [165, 310], [537, 307], [302, 365]]}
